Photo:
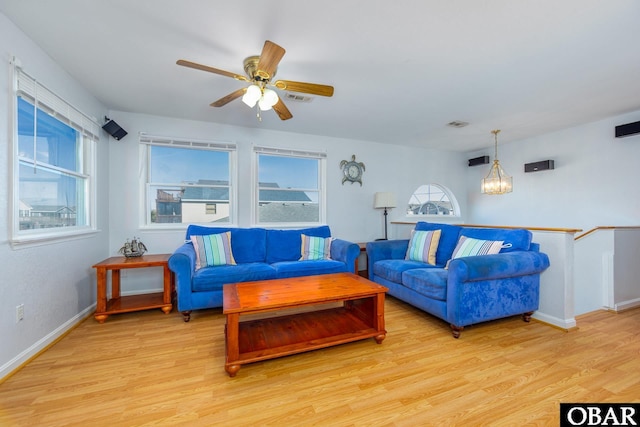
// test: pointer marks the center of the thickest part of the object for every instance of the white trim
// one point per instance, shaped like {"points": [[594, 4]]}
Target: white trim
{"points": [[22, 358], [566, 324], [41, 97], [146, 141], [320, 156], [627, 305]]}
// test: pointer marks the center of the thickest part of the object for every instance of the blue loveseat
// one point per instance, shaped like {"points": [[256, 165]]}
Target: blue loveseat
{"points": [[465, 290], [260, 254]]}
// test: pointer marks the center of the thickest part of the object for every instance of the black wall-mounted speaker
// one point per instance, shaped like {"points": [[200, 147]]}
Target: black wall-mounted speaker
{"points": [[628, 129], [113, 129], [539, 166], [482, 160]]}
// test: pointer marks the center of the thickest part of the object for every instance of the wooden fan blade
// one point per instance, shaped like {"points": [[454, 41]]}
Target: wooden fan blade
{"points": [[227, 99], [269, 59], [310, 88], [282, 110], [208, 69]]}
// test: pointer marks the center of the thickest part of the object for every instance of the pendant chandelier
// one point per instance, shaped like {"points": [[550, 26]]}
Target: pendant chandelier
{"points": [[497, 181]]}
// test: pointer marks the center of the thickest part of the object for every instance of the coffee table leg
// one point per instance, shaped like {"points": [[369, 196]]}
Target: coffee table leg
{"points": [[233, 348], [379, 318]]}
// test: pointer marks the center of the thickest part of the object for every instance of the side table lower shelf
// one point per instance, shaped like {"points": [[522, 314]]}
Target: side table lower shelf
{"points": [[137, 302]]}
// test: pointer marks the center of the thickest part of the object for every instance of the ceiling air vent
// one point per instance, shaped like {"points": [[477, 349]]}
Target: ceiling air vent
{"points": [[298, 98]]}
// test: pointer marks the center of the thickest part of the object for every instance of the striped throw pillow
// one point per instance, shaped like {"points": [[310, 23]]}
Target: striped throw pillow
{"points": [[315, 248], [423, 246], [213, 249], [471, 247]]}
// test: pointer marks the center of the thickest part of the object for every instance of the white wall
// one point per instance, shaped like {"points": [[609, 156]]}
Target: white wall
{"points": [[55, 282], [350, 212], [594, 183]]}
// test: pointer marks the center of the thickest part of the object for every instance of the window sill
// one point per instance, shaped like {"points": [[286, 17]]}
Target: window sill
{"points": [[41, 239]]}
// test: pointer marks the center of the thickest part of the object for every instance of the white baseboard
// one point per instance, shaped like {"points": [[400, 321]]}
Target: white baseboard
{"points": [[566, 324], [15, 363], [626, 305]]}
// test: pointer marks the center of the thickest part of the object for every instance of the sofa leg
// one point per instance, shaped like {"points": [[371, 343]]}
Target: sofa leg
{"points": [[186, 315], [455, 330], [527, 316]]}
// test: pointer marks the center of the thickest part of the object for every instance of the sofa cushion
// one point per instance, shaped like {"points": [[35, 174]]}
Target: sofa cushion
{"points": [[308, 268], [423, 246], [315, 248], [392, 269], [284, 245], [213, 249], [448, 239], [212, 278], [430, 282], [249, 244], [517, 239]]}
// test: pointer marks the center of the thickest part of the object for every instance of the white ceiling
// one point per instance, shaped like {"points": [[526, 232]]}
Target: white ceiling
{"points": [[401, 70]]}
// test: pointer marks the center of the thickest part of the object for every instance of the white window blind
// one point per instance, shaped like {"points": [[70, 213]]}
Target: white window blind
{"points": [[186, 143], [46, 100], [290, 152]]}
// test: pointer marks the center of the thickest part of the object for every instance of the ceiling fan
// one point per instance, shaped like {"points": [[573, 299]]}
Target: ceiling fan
{"points": [[260, 71]]}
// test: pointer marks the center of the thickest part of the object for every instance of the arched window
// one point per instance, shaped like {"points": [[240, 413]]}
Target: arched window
{"points": [[433, 199]]}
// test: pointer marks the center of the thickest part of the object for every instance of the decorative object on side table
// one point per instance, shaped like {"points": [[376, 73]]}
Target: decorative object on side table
{"points": [[133, 248], [352, 170], [384, 200]]}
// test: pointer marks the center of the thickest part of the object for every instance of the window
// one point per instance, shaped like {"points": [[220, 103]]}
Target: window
{"points": [[187, 182], [432, 199], [289, 187], [54, 158]]}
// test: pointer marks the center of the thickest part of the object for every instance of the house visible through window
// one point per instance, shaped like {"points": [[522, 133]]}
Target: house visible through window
{"points": [[432, 199], [210, 209], [289, 186], [188, 181], [54, 155]]}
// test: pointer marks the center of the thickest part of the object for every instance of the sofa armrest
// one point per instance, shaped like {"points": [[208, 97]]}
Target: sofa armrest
{"points": [[183, 264], [499, 266], [347, 252], [385, 249]]}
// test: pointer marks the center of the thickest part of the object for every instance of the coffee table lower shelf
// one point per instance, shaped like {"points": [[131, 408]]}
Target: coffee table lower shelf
{"points": [[269, 338]]}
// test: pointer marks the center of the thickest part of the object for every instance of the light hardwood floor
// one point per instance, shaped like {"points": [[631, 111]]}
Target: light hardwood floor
{"points": [[148, 368]]}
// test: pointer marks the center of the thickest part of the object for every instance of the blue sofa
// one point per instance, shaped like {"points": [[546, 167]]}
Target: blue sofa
{"points": [[260, 254], [469, 289]]}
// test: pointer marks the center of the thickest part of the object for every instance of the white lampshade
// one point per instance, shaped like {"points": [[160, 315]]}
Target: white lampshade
{"points": [[252, 95], [268, 100], [384, 200]]}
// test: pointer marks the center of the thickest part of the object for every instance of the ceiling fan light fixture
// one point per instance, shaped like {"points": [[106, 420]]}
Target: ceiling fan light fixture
{"points": [[268, 100], [252, 95]]}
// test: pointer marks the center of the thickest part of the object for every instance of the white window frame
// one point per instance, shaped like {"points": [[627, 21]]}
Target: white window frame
{"points": [[255, 189], [452, 199], [44, 99], [147, 141]]}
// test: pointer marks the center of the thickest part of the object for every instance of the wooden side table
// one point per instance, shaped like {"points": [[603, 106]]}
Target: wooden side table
{"points": [[363, 249], [118, 304]]}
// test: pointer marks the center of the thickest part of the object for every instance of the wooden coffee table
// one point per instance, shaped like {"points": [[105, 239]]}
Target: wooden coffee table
{"points": [[359, 315]]}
